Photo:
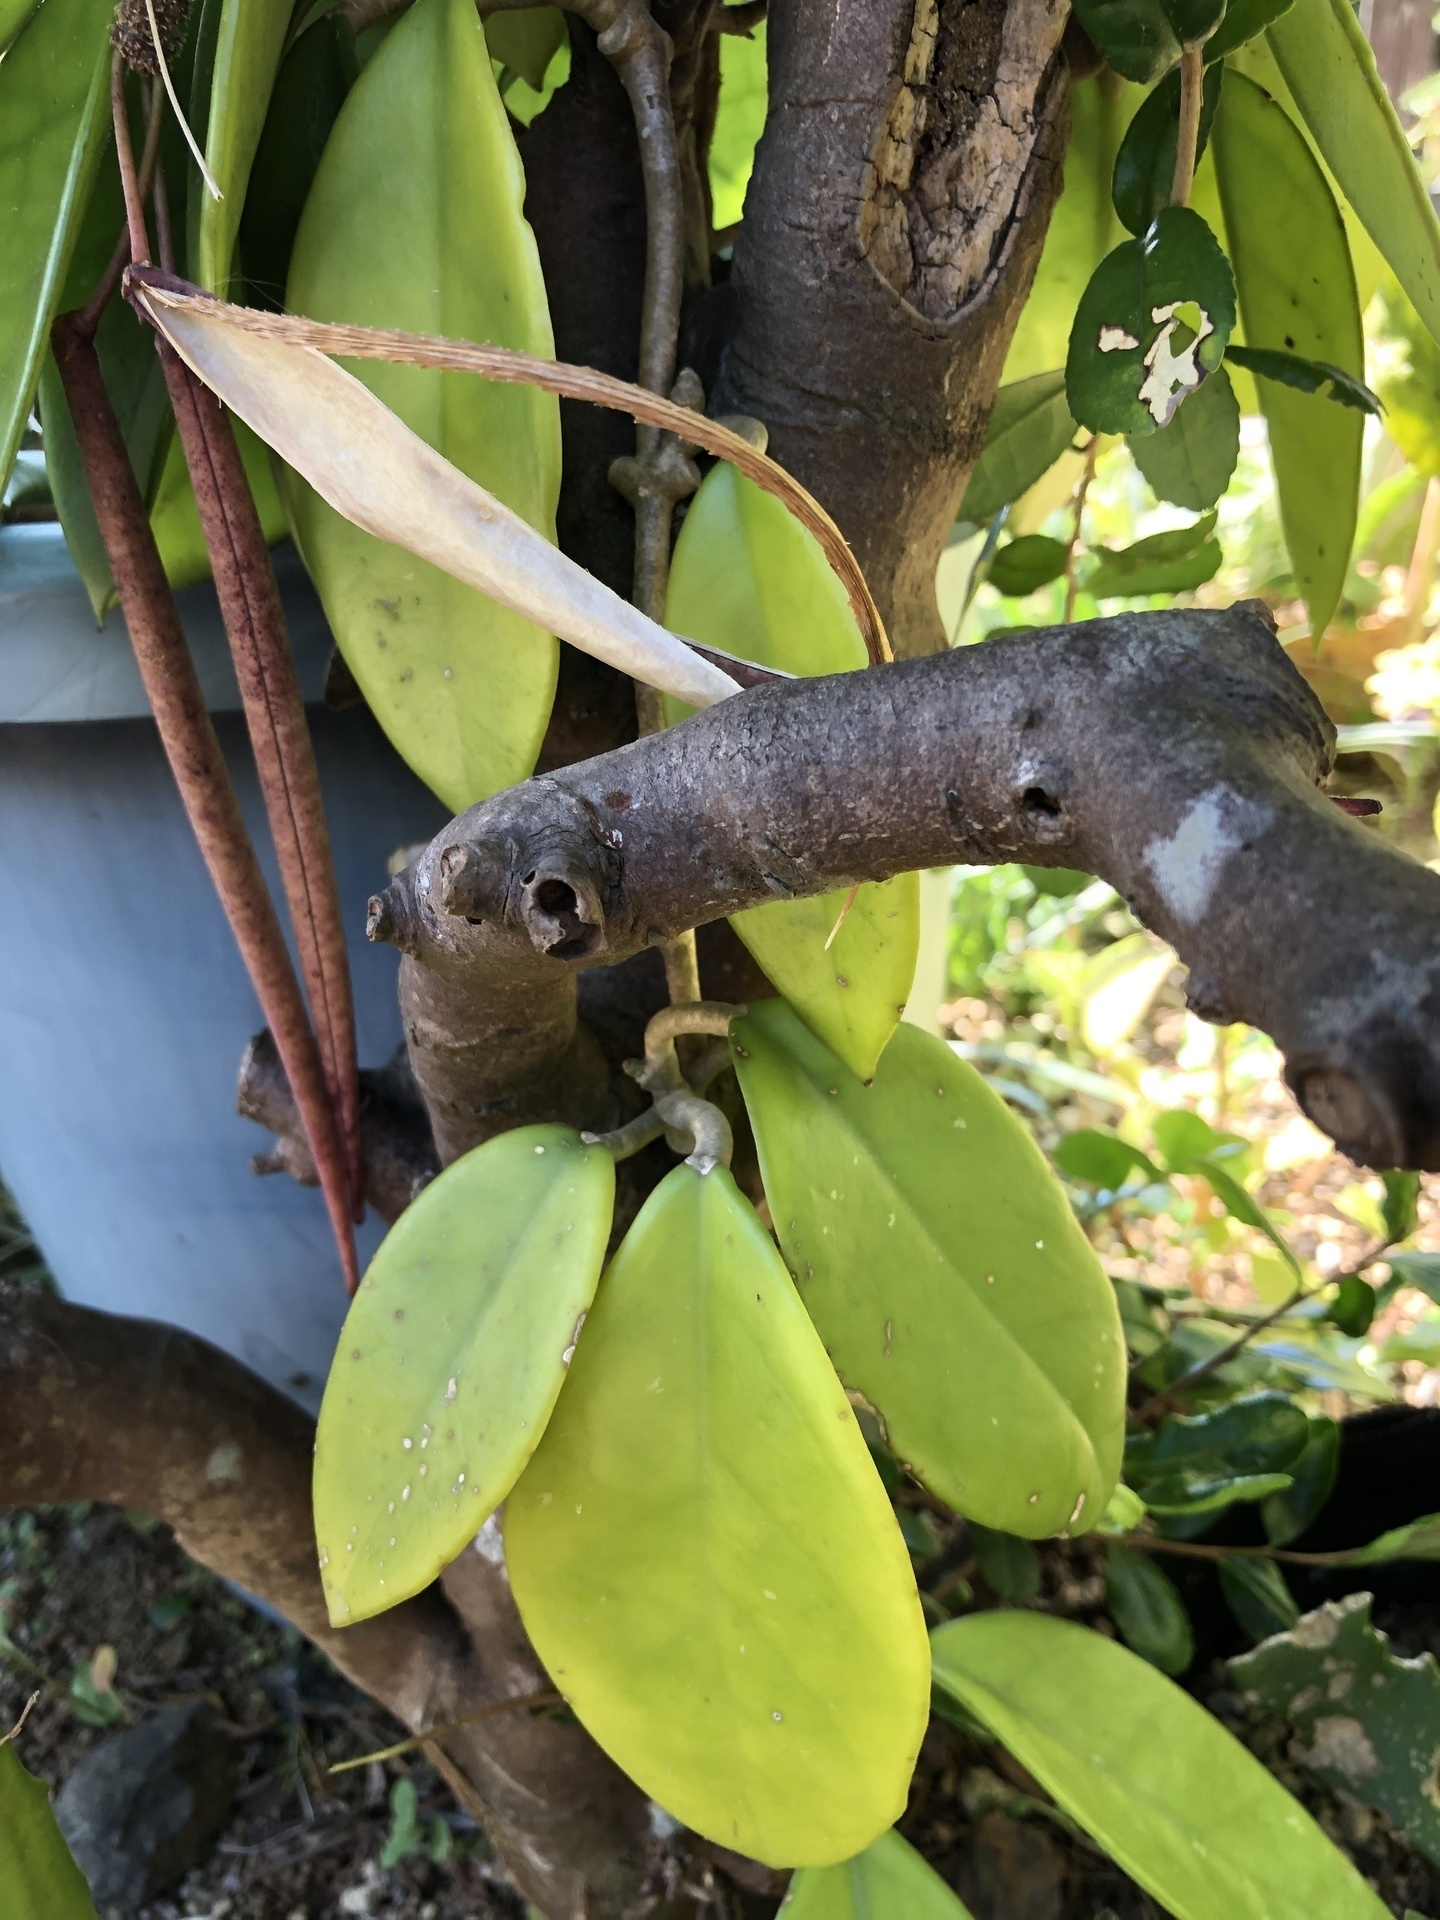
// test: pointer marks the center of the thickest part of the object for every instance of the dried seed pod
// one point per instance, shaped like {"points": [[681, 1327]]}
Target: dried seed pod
{"points": [[134, 40]]}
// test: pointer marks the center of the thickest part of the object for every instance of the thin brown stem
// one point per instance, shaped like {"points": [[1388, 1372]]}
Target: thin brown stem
{"points": [[527, 1701], [87, 320], [1201, 1550], [125, 154], [1073, 544], [186, 731], [1192, 94]]}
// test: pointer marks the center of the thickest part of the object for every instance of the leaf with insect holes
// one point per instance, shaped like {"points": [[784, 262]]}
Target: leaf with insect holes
{"points": [[888, 1879], [1030, 427], [1148, 1773], [1153, 322], [1297, 295], [986, 1337], [704, 1556], [451, 1359], [1145, 164], [747, 578], [1141, 39], [37, 1869], [1189, 463], [54, 123]]}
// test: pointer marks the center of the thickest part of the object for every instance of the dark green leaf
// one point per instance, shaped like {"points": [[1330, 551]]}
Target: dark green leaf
{"points": [[1183, 1137], [1132, 579], [1297, 294], [1243, 20], [1260, 1433], [1145, 164], [1141, 39], [1420, 1270], [1185, 1493], [1030, 427], [1104, 1159], [1400, 1206], [1153, 322], [1370, 1720], [54, 121], [1287, 1514], [1306, 376], [1141, 1599], [39, 1877], [1353, 1307], [1147, 1772], [1010, 1565], [1189, 463], [1027, 563], [1257, 1595]]}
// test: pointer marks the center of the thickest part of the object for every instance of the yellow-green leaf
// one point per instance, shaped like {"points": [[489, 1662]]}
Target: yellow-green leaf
{"points": [[415, 220], [1155, 1779], [1296, 289], [1321, 49], [526, 39], [54, 122], [38, 1874], [946, 1273], [889, 1881], [248, 46], [749, 579], [704, 1556], [451, 1358]]}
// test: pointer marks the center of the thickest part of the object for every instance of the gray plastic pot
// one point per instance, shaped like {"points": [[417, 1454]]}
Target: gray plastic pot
{"points": [[124, 1008]]}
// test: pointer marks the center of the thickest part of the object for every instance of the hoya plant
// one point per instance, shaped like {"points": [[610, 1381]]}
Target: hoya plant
{"points": [[622, 447]]}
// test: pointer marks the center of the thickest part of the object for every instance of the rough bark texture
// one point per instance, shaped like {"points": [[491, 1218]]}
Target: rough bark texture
{"points": [[95, 1407], [1041, 746], [907, 170]]}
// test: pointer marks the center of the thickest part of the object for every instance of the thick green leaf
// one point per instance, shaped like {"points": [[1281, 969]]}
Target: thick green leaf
{"points": [[451, 1358], [13, 16], [1141, 1599], [1145, 164], [1257, 1595], [1243, 20], [1153, 322], [1297, 293], [416, 222], [37, 1870], [889, 1881], [704, 1556], [1287, 1514], [985, 1335], [249, 42], [1321, 50], [1082, 229], [526, 40], [310, 88], [1030, 427], [54, 123], [1368, 1719], [1189, 463], [748, 578], [1149, 1774], [1142, 38], [1022, 565], [1306, 376]]}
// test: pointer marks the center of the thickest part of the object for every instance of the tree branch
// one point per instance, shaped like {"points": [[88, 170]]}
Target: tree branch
{"points": [[95, 1407], [902, 186], [1179, 755]]}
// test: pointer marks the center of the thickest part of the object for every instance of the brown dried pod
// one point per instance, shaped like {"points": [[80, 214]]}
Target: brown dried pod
{"points": [[134, 40]]}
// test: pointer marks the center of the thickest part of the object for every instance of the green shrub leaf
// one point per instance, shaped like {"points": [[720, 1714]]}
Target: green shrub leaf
{"points": [[1297, 295], [1142, 38], [428, 234], [1257, 1595], [889, 1879], [1306, 376], [37, 1870], [1149, 1774], [704, 1556], [985, 1335], [1022, 565], [451, 1358], [1189, 463], [1141, 1599], [1145, 164], [1030, 427]]}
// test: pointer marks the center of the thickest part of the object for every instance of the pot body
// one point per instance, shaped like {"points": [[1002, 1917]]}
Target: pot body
{"points": [[124, 1006]]}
